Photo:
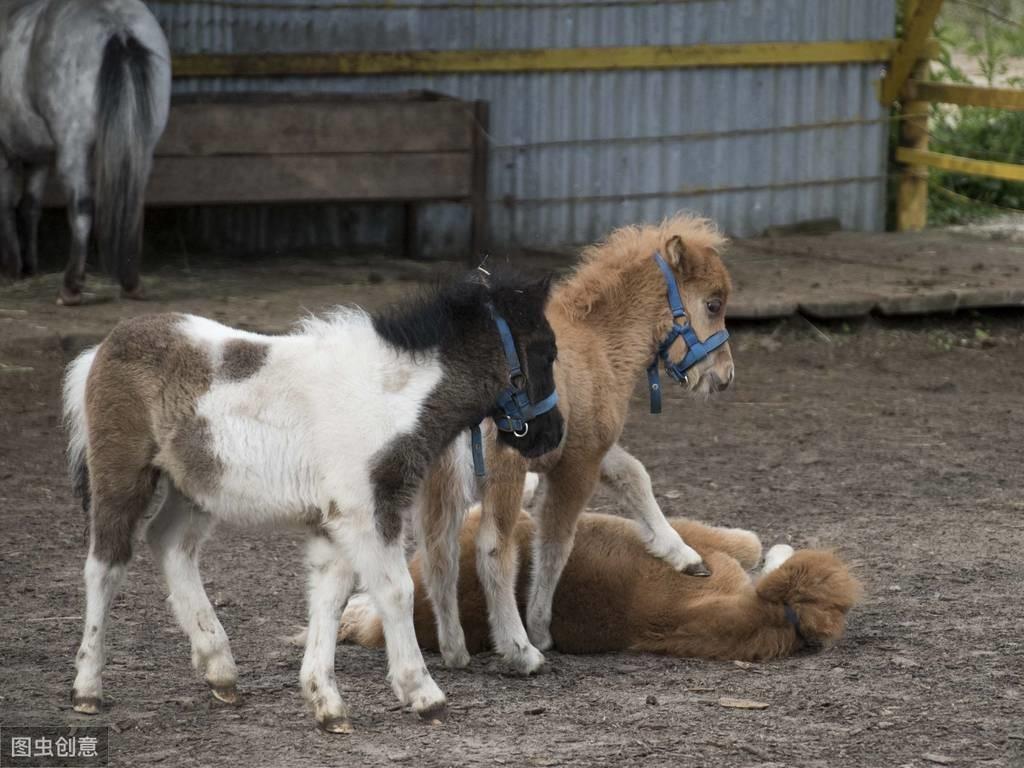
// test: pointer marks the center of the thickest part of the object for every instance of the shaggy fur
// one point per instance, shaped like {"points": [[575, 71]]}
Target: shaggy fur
{"points": [[613, 596], [609, 317], [331, 429]]}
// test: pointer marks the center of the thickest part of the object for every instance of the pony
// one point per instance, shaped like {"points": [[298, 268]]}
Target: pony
{"points": [[85, 86], [187, 422], [614, 596], [615, 316]]}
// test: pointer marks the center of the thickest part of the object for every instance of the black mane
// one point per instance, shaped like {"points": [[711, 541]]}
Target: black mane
{"points": [[428, 320]]}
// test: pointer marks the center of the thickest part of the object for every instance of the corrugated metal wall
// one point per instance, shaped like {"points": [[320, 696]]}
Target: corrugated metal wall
{"points": [[575, 154]]}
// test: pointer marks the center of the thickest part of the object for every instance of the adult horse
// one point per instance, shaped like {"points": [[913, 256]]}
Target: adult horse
{"points": [[85, 87]]}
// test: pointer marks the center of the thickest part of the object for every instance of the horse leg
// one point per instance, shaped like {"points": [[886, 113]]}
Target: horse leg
{"points": [[331, 581], [73, 169], [569, 488], [626, 476], [742, 545], [29, 211], [497, 562], [10, 250], [384, 574], [119, 499], [176, 535], [444, 502]]}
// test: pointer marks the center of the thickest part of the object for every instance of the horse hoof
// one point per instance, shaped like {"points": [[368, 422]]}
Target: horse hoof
{"points": [[436, 714], [226, 693], [335, 725], [456, 659], [137, 293], [86, 705], [697, 569], [68, 298]]}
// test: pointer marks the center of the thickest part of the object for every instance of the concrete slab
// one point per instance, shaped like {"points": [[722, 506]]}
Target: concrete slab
{"points": [[846, 274]]}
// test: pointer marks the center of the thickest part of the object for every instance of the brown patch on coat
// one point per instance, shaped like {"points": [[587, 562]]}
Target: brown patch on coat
{"points": [[141, 398], [192, 448], [242, 358], [615, 596]]}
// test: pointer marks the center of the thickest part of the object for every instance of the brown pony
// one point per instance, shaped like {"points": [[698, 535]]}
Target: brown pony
{"points": [[613, 596], [609, 318]]}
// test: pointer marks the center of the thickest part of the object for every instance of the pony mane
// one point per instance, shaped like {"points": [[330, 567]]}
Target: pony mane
{"points": [[606, 268], [430, 316]]}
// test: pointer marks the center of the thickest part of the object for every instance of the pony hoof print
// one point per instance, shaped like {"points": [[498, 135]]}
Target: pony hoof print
{"points": [[340, 725], [226, 693], [86, 705], [435, 715], [697, 569]]}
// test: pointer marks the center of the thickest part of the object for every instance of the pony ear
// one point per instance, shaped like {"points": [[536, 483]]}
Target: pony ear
{"points": [[675, 250]]}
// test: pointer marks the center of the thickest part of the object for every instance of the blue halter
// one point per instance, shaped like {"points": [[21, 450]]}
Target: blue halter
{"points": [[696, 350], [513, 408]]}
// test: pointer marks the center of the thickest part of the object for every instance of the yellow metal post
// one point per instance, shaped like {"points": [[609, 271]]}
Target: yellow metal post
{"points": [[912, 199]]}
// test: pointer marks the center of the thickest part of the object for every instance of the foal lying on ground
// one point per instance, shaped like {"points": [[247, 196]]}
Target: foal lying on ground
{"points": [[330, 428], [648, 294], [614, 596]]}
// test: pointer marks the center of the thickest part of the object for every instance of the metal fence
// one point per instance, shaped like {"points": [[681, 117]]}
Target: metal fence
{"points": [[576, 153]]}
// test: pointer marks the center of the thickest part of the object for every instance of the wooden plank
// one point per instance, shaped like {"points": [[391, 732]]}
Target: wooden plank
{"points": [[309, 178], [269, 128], [970, 166], [967, 95], [917, 29], [533, 59]]}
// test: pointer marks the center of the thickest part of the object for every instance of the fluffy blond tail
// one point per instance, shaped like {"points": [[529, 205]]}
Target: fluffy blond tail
{"points": [[819, 588], [75, 377]]}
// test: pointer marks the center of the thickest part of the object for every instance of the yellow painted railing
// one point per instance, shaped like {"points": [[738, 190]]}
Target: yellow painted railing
{"points": [[532, 59], [906, 79]]}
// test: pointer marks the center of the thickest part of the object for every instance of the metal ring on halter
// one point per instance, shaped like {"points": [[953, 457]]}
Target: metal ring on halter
{"points": [[526, 428]]}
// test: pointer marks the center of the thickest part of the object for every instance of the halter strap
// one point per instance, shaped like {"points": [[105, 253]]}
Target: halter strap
{"points": [[794, 620], [696, 350], [513, 408], [509, 345]]}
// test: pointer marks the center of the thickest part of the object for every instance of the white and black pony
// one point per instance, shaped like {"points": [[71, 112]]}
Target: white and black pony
{"points": [[331, 428], [84, 87]]}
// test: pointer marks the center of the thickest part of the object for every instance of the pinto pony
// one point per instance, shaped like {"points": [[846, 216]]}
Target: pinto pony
{"points": [[614, 596], [616, 314], [330, 428], [84, 86]]}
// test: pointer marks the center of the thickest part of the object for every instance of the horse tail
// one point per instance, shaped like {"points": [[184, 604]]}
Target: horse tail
{"points": [[75, 378], [817, 588], [122, 159]]}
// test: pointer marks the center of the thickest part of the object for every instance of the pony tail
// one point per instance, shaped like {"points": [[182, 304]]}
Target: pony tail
{"points": [[124, 107], [75, 425], [818, 587]]}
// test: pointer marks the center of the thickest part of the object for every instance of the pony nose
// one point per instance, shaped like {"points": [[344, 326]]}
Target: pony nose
{"points": [[730, 374]]}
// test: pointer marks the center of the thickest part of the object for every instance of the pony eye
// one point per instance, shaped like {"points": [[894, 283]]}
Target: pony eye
{"points": [[714, 306]]}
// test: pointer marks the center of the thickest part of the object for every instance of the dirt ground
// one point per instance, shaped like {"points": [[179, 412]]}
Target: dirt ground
{"points": [[896, 442]]}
